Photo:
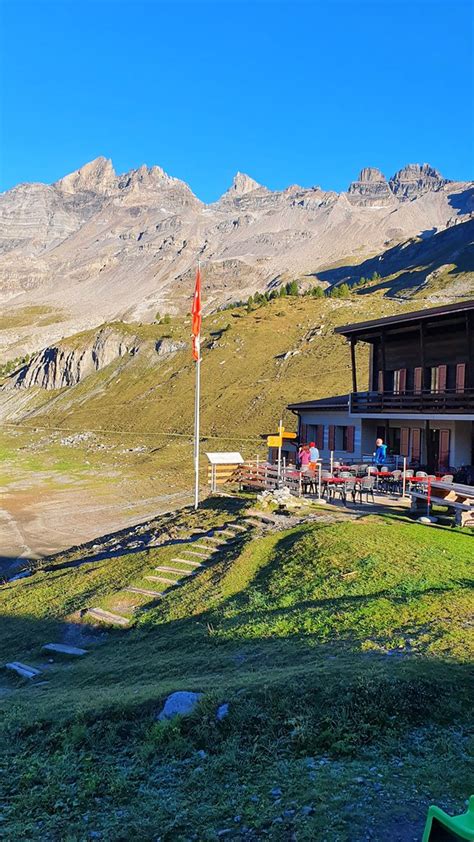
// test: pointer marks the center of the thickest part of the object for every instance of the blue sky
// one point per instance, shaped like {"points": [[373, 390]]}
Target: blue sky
{"points": [[298, 92]]}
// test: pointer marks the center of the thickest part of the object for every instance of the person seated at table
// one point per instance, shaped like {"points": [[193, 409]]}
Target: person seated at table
{"points": [[380, 454], [313, 455], [304, 457]]}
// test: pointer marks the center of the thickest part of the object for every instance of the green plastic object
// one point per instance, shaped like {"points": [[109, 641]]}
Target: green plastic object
{"points": [[443, 828]]}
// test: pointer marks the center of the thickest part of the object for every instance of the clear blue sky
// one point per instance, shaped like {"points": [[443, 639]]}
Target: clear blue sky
{"points": [[289, 92]]}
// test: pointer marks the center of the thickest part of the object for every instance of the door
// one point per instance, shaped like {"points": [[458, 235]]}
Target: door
{"points": [[439, 449]]}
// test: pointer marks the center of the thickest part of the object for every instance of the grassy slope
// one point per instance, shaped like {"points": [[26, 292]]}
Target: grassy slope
{"points": [[328, 643], [244, 385]]}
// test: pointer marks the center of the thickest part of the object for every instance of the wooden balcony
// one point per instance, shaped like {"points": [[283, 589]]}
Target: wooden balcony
{"points": [[426, 402]]}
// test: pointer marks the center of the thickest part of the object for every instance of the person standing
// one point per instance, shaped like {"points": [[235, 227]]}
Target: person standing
{"points": [[313, 455], [380, 454], [304, 457]]}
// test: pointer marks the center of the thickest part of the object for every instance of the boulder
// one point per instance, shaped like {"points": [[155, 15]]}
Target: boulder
{"points": [[180, 703]]}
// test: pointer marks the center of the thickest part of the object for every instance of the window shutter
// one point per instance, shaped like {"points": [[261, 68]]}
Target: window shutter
{"points": [[460, 377], [417, 380], [416, 444], [442, 377], [402, 381], [404, 441], [444, 438], [380, 382], [320, 436], [350, 439], [331, 437]]}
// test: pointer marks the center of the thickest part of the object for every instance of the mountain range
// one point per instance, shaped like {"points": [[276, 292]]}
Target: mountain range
{"points": [[98, 246]]}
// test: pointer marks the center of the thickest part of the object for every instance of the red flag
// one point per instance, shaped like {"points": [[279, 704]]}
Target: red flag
{"points": [[197, 318]]}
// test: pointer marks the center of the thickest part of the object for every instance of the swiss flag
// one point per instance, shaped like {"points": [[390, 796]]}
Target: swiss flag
{"points": [[197, 318]]}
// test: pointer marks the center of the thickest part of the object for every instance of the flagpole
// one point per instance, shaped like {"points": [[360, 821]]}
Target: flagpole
{"points": [[197, 407], [197, 398]]}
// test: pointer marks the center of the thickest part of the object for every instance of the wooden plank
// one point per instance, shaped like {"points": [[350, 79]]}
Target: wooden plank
{"points": [[62, 649], [23, 670], [180, 572], [107, 617], [165, 579], [188, 561], [144, 592]]}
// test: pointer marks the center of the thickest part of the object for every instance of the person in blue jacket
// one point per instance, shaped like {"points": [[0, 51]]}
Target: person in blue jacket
{"points": [[380, 454]]}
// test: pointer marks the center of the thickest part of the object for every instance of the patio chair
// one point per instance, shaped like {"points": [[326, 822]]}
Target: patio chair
{"points": [[345, 474], [395, 483], [448, 478], [366, 486], [343, 489]]}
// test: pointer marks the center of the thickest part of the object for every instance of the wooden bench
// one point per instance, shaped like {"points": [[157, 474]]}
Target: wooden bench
{"points": [[458, 497]]}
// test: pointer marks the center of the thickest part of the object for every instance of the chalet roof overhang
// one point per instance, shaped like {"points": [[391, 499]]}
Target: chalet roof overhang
{"points": [[338, 402], [445, 316]]}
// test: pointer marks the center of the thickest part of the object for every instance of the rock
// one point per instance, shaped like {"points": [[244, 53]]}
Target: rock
{"points": [[414, 180], [427, 520], [201, 753], [370, 188], [62, 365], [167, 346], [276, 792], [241, 185], [180, 703], [222, 711], [307, 810]]}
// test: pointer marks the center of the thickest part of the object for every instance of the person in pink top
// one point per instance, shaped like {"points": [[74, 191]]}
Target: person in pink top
{"points": [[304, 457]]}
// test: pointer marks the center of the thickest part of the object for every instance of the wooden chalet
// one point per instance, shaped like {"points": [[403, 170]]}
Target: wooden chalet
{"points": [[420, 396]]}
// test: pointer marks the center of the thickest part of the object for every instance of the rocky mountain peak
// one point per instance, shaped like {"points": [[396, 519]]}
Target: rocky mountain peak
{"points": [[97, 176], [370, 188], [371, 174], [241, 185], [415, 179]]}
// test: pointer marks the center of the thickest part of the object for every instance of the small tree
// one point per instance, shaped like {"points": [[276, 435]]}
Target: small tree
{"points": [[317, 292], [283, 292], [292, 288]]}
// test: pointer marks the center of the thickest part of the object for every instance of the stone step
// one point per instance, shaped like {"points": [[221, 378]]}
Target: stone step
{"points": [[107, 617], [252, 522], [165, 569], [216, 539], [62, 649], [23, 670], [188, 561], [144, 591], [209, 549], [228, 532], [164, 579], [198, 554], [240, 527]]}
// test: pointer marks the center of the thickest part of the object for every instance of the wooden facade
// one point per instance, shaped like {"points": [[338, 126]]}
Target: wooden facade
{"points": [[421, 392], [420, 362]]}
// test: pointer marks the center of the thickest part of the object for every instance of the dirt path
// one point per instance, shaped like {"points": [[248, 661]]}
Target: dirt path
{"points": [[36, 522]]}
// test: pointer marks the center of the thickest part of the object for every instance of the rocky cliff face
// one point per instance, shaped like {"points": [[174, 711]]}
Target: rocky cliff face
{"points": [[60, 365], [105, 247], [415, 179]]}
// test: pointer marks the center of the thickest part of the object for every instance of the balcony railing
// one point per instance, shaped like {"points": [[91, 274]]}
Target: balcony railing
{"points": [[449, 401]]}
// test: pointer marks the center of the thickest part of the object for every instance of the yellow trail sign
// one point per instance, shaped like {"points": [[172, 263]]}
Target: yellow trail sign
{"points": [[289, 435], [274, 441]]}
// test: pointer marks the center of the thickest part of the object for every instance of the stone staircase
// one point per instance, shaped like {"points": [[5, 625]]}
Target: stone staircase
{"points": [[201, 551]]}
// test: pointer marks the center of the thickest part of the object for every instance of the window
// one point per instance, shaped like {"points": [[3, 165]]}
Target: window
{"points": [[341, 438], [399, 381], [439, 375], [316, 434]]}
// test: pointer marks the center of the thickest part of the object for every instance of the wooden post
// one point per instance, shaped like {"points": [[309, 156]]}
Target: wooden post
{"points": [[331, 463], [320, 468], [353, 364], [404, 480]]}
